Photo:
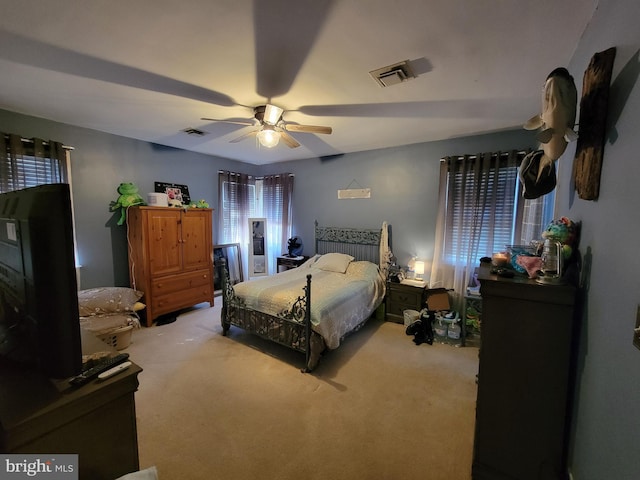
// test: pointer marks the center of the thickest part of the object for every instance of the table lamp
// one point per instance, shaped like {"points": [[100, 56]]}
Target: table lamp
{"points": [[419, 269]]}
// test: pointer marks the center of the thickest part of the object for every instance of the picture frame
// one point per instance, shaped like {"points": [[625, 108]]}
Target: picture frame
{"points": [[258, 263], [174, 191], [226, 255]]}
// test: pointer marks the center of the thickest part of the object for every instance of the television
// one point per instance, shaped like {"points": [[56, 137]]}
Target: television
{"points": [[39, 321]]}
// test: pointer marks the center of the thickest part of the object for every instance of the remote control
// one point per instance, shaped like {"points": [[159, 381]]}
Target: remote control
{"points": [[111, 372], [104, 365]]}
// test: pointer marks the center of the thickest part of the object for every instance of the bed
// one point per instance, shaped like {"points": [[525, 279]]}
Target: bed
{"points": [[348, 278]]}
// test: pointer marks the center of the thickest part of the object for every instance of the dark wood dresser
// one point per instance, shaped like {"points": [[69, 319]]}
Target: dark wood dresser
{"points": [[96, 421], [525, 379], [401, 297]]}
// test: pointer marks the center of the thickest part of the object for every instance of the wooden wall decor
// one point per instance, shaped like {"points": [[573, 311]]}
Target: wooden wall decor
{"points": [[587, 164]]}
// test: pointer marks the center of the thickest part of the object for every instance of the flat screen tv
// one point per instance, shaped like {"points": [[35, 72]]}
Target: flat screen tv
{"points": [[39, 323]]}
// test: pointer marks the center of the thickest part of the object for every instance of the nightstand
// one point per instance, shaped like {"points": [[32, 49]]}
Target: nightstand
{"points": [[290, 262], [401, 297]]}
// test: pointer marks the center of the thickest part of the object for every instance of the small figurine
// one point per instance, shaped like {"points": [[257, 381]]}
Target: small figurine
{"points": [[199, 204]]}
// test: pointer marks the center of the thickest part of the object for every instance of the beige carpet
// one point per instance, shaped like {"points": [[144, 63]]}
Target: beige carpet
{"points": [[237, 407]]}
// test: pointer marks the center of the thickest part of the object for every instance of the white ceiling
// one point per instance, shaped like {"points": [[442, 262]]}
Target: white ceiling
{"points": [[148, 69]]}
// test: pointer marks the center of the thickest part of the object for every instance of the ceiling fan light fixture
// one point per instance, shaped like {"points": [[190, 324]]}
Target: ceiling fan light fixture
{"points": [[268, 137], [272, 114]]}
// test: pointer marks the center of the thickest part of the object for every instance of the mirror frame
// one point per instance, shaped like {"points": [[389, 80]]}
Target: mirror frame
{"points": [[258, 248], [223, 252]]}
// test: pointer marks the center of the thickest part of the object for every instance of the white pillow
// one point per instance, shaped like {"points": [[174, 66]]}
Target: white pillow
{"points": [[310, 261], [334, 262]]}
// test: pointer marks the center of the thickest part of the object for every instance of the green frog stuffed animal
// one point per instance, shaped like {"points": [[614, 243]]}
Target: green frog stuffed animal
{"points": [[128, 197]]}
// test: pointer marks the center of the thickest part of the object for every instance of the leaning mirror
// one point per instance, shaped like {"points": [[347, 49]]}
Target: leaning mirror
{"points": [[226, 255]]}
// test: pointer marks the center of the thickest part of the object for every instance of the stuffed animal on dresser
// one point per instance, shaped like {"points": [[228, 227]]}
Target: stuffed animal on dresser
{"points": [[128, 197]]}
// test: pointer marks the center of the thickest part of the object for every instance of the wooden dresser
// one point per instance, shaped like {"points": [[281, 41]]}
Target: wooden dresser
{"points": [[525, 379], [170, 257]]}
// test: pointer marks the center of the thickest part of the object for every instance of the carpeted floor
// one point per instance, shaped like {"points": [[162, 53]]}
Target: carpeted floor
{"points": [[237, 407]]}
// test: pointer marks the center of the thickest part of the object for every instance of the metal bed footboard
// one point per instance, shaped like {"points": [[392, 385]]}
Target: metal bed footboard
{"points": [[291, 329]]}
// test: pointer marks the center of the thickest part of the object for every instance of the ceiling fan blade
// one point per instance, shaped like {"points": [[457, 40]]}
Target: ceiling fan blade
{"points": [[285, 33], [253, 133], [289, 140], [235, 122], [308, 128], [29, 51], [455, 108]]}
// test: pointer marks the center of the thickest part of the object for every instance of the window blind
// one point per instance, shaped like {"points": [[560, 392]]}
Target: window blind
{"points": [[30, 162], [482, 208]]}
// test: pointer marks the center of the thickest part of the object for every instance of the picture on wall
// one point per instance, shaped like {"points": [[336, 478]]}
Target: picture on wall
{"points": [[174, 191], [258, 247]]}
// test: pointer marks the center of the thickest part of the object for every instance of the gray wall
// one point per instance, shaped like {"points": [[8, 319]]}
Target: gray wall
{"points": [[404, 189], [403, 181], [100, 162], [607, 418]]}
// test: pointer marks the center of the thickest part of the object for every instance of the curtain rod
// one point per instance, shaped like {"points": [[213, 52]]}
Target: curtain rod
{"points": [[518, 152], [257, 177], [44, 142]]}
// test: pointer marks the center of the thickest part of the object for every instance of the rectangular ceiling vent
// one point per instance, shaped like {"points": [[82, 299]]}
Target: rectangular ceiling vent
{"points": [[194, 131], [393, 74]]}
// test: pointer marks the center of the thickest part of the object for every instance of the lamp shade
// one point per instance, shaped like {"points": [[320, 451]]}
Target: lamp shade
{"points": [[419, 267], [268, 137]]}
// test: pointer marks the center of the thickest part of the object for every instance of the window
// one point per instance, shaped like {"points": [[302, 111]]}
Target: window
{"points": [[481, 211], [235, 212], [538, 213], [469, 222], [242, 197], [30, 162], [485, 209]]}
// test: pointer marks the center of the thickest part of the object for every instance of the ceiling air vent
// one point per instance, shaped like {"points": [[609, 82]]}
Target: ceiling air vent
{"points": [[194, 131], [393, 74]]}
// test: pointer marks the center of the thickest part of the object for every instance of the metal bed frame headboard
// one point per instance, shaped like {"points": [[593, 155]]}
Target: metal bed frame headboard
{"points": [[362, 244]]}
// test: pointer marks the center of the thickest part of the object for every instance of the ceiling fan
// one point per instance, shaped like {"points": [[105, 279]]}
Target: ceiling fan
{"points": [[272, 127]]}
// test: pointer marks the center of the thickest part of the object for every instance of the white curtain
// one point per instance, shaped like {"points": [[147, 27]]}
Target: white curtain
{"points": [[385, 252], [277, 208]]}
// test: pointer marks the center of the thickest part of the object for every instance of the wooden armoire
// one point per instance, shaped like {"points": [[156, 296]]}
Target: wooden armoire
{"points": [[170, 257]]}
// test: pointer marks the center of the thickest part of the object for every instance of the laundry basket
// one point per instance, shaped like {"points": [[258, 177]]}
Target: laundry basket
{"points": [[119, 338], [410, 316]]}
